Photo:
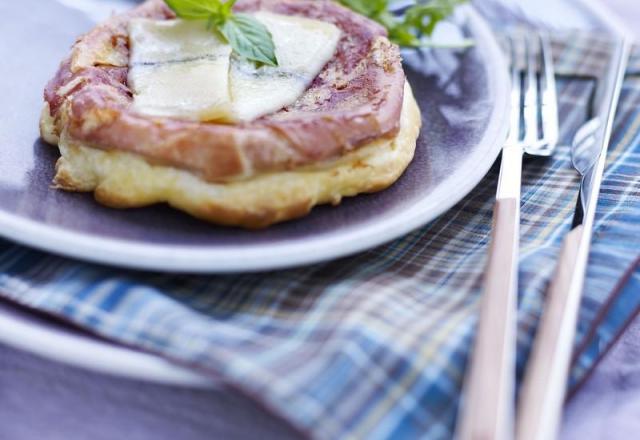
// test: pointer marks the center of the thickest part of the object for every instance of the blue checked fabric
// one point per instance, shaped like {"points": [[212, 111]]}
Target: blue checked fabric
{"points": [[374, 346]]}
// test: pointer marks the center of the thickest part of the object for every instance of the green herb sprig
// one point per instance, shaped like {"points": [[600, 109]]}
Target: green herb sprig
{"points": [[417, 21], [248, 37]]}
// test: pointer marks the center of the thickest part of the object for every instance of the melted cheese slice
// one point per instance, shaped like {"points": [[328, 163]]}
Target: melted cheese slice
{"points": [[180, 69], [303, 47]]}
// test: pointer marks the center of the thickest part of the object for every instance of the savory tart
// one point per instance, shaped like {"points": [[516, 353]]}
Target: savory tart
{"points": [[149, 108]]}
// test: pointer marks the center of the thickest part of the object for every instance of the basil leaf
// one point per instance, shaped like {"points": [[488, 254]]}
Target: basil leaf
{"points": [[225, 8], [250, 39], [425, 17], [195, 9], [418, 20], [369, 8]]}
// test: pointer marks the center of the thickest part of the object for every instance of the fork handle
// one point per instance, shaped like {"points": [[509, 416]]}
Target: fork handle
{"points": [[488, 402], [489, 386], [544, 385]]}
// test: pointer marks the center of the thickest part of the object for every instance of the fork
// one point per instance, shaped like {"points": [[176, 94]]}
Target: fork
{"points": [[488, 408]]}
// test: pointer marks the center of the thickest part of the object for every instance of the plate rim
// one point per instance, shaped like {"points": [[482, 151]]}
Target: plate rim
{"points": [[21, 330], [226, 259]]}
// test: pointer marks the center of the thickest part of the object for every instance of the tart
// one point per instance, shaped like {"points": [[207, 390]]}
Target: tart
{"points": [[149, 109]]}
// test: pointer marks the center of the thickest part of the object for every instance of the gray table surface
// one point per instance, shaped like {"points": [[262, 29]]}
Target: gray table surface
{"points": [[40, 399]]}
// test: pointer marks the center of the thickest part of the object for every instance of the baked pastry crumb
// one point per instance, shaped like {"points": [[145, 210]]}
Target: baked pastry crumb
{"points": [[126, 180]]}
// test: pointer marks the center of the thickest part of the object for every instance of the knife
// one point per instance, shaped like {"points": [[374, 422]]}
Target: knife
{"points": [[544, 385]]}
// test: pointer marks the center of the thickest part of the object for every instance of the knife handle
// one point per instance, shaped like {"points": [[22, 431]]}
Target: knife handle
{"points": [[489, 392], [544, 386]]}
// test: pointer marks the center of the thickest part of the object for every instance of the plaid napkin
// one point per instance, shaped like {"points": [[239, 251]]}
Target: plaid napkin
{"points": [[373, 345]]}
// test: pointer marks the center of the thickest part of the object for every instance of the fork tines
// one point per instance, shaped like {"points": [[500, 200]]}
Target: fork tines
{"points": [[533, 102]]}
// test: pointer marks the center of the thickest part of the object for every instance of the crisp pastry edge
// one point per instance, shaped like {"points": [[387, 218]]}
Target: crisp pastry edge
{"points": [[125, 180]]}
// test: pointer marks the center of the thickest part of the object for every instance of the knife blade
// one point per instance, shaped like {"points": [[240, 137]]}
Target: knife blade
{"points": [[544, 385], [585, 152]]}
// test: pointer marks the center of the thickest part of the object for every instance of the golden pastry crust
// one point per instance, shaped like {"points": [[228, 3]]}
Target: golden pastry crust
{"points": [[126, 180]]}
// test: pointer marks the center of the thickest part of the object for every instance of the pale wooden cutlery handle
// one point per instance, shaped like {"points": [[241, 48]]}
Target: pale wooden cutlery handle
{"points": [[544, 385], [488, 404]]}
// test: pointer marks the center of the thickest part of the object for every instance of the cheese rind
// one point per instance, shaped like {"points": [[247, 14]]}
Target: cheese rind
{"points": [[181, 69]]}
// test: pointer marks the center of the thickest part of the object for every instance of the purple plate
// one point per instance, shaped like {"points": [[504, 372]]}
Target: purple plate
{"points": [[464, 101]]}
